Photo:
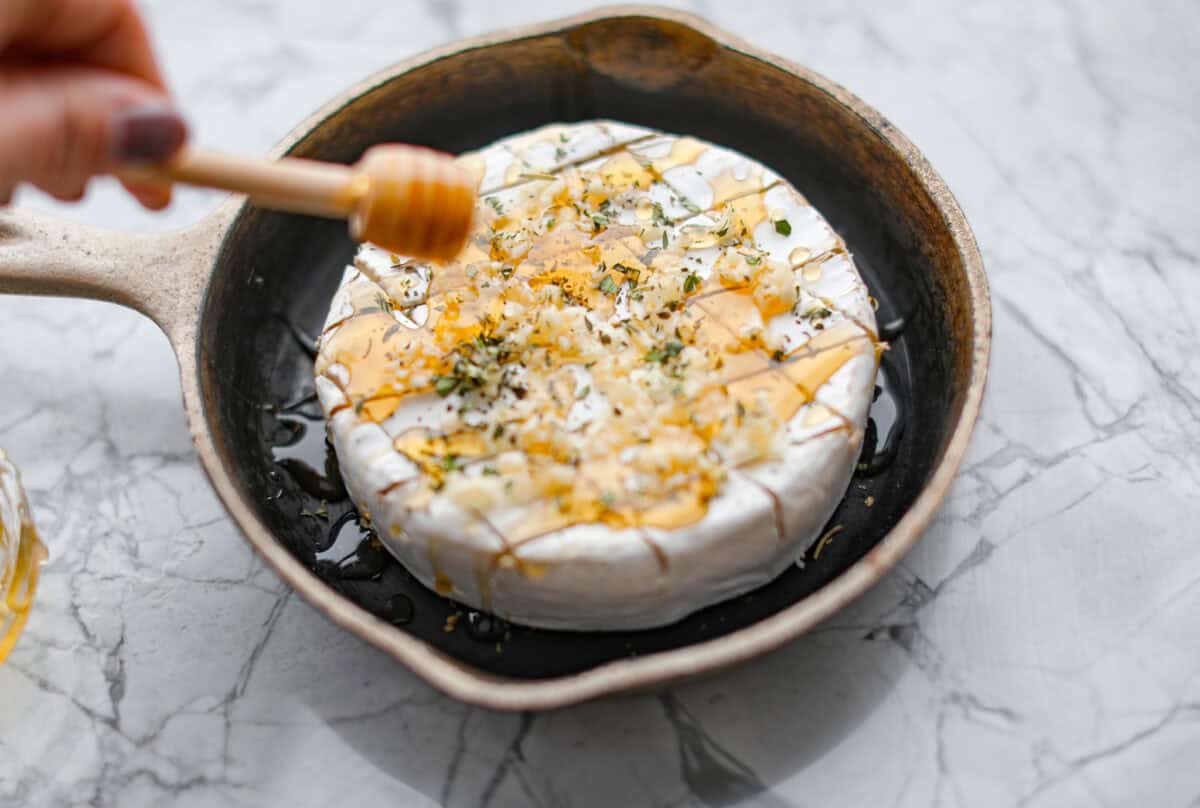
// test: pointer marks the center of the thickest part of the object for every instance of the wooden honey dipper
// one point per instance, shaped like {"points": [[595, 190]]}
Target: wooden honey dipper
{"points": [[410, 200]]}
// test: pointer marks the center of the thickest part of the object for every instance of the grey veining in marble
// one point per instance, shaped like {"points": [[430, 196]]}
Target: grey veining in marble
{"points": [[1039, 648]]}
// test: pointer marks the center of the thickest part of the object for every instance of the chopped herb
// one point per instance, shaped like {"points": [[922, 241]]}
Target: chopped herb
{"points": [[536, 175], [783, 227], [506, 272], [607, 285], [599, 222], [607, 499], [677, 390], [778, 355], [559, 152], [495, 203], [582, 392], [321, 512], [450, 463], [658, 216], [629, 272], [691, 206], [741, 410], [498, 431], [691, 284], [664, 240], [752, 260], [819, 313], [550, 222], [670, 349], [491, 471], [383, 301], [723, 231], [445, 385]]}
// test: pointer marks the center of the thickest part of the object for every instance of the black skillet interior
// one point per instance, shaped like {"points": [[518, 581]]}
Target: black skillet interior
{"points": [[276, 274]]}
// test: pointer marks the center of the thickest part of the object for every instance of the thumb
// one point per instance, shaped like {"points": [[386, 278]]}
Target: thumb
{"points": [[61, 126]]}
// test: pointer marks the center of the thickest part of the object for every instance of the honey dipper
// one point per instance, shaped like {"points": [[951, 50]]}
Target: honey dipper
{"points": [[407, 199]]}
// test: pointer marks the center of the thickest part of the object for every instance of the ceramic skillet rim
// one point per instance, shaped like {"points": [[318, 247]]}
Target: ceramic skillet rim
{"points": [[471, 685]]}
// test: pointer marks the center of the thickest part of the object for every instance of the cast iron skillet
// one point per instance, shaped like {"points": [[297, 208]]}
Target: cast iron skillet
{"points": [[236, 293]]}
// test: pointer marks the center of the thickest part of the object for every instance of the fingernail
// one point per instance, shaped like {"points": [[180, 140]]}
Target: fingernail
{"points": [[148, 134]]}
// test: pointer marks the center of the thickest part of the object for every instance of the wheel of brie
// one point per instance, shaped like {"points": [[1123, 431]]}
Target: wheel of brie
{"points": [[641, 390]]}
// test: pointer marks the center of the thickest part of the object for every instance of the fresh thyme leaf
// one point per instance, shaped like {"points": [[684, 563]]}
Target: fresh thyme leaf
{"points": [[445, 385], [783, 227], [669, 349], [691, 284], [607, 285]]}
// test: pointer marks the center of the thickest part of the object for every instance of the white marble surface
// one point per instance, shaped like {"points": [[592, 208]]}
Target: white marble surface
{"points": [[1039, 648]]}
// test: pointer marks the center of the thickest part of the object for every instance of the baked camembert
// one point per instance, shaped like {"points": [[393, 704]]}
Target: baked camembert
{"points": [[641, 390]]}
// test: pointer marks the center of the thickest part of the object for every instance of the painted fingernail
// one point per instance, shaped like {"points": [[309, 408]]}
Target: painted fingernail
{"points": [[148, 134]]}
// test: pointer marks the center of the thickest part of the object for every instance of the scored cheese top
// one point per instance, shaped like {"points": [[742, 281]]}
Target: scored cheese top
{"points": [[641, 325]]}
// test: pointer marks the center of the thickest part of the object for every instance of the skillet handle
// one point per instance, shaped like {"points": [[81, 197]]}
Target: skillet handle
{"points": [[160, 275]]}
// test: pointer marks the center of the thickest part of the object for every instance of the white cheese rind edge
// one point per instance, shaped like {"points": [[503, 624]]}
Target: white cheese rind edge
{"points": [[595, 578]]}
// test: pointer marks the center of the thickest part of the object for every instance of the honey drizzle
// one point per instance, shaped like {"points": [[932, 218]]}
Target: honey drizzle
{"points": [[518, 180]]}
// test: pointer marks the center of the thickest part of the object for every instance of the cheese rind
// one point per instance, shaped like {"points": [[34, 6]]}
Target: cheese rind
{"points": [[640, 391]]}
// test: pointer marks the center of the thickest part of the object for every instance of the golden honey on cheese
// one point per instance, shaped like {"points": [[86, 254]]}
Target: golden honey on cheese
{"points": [[640, 390]]}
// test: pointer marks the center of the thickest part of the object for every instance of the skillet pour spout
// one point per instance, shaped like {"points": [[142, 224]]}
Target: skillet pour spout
{"points": [[231, 292]]}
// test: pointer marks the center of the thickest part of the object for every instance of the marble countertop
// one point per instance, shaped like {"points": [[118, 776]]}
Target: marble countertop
{"points": [[1040, 646]]}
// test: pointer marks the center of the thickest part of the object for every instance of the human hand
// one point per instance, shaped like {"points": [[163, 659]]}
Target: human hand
{"points": [[80, 95]]}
